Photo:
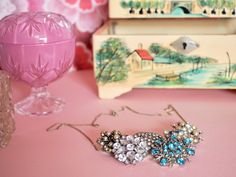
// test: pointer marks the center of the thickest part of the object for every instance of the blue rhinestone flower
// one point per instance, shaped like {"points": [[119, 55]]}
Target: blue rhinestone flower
{"points": [[174, 148]]}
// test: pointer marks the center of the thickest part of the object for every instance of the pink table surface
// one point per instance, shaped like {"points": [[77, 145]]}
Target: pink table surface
{"points": [[33, 152]]}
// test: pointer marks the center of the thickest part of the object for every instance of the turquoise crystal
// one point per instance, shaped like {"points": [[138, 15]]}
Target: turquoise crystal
{"points": [[190, 151], [163, 161], [180, 161], [171, 154], [177, 144], [178, 151], [187, 141], [165, 147], [173, 135], [159, 141], [155, 152], [171, 146], [165, 151], [180, 147]]}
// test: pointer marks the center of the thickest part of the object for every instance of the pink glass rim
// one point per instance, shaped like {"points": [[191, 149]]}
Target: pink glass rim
{"points": [[37, 44]]}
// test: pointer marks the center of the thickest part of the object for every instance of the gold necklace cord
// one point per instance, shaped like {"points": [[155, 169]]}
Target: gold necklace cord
{"points": [[171, 108], [123, 108], [168, 110], [58, 126]]}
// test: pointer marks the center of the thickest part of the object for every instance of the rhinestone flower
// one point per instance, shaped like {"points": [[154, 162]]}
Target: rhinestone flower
{"points": [[107, 140], [130, 149], [127, 149], [189, 130], [176, 146]]}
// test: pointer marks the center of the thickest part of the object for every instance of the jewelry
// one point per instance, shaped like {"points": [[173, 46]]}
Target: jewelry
{"points": [[175, 147]]}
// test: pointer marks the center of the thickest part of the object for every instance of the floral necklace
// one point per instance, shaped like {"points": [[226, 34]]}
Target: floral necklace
{"points": [[176, 146]]}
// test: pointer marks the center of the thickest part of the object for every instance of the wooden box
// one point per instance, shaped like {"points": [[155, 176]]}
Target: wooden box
{"points": [[165, 53], [172, 8]]}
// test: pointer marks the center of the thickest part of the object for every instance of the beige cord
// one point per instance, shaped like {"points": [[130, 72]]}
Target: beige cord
{"points": [[58, 126]]}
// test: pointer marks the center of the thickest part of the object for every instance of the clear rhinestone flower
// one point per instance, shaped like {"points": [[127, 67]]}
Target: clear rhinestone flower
{"points": [[130, 149]]}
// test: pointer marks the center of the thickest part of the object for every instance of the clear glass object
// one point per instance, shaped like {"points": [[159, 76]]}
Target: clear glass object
{"points": [[38, 48], [40, 102]]}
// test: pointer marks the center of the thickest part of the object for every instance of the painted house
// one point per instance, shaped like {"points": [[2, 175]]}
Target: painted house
{"points": [[188, 6], [161, 62], [165, 69], [140, 60]]}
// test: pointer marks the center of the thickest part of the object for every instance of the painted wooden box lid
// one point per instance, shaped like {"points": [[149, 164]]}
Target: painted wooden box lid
{"points": [[170, 53], [172, 8]]}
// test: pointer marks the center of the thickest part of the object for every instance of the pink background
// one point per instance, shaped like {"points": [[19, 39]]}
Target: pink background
{"points": [[33, 152], [86, 15]]}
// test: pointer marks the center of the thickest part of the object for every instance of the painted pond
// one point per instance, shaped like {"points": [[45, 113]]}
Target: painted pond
{"points": [[211, 76]]}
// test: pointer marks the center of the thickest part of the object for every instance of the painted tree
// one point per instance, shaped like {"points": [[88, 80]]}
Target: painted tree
{"points": [[128, 5], [192, 59], [230, 4], [198, 61], [233, 69], [217, 4], [179, 58], [212, 4], [110, 61], [229, 63], [162, 5], [176, 57], [160, 51], [149, 6], [143, 6], [221, 4], [137, 5], [124, 4], [204, 5], [228, 75], [205, 61], [155, 48], [229, 71], [156, 5], [131, 6]]}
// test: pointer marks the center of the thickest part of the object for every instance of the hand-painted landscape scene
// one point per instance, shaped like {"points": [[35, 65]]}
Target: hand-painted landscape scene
{"points": [[159, 66], [189, 8]]}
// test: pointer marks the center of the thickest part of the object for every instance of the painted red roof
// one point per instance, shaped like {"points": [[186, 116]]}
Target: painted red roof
{"points": [[144, 54]]}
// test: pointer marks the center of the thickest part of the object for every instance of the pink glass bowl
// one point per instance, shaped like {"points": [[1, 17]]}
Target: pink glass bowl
{"points": [[38, 64], [38, 48]]}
